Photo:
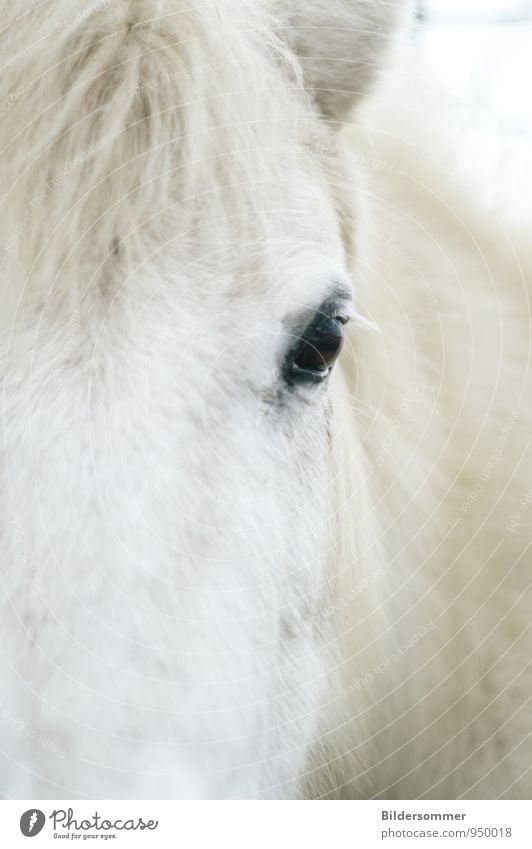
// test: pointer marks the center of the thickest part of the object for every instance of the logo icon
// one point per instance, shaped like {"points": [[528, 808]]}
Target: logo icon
{"points": [[32, 822]]}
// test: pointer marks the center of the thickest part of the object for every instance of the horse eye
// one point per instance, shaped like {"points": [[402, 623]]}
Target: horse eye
{"points": [[313, 357]]}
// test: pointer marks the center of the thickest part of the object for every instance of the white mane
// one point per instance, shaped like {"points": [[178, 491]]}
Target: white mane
{"points": [[117, 127]]}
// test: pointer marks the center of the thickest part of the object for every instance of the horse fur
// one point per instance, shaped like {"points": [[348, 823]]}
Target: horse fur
{"points": [[212, 586]]}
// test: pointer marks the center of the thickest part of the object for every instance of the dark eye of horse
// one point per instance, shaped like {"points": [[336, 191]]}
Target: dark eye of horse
{"points": [[314, 355]]}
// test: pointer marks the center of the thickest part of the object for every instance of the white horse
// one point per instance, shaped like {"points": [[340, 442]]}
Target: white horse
{"points": [[228, 568]]}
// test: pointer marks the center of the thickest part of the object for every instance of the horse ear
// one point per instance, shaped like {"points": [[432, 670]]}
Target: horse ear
{"points": [[341, 46]]}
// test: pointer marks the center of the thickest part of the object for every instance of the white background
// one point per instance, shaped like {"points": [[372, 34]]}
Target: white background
{"points": [[479, 56]]}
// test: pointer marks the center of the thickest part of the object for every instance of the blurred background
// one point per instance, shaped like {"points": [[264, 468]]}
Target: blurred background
{"points": [[478, 54]]}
